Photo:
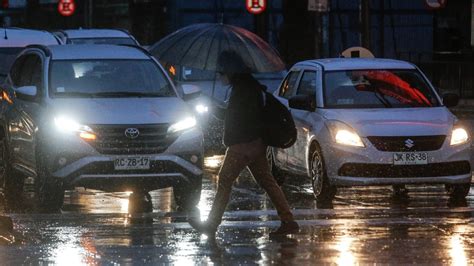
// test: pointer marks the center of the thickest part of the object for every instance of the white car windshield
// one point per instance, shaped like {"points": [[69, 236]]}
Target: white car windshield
{"points": [[377, 89], [116, 41], [108, 78]]}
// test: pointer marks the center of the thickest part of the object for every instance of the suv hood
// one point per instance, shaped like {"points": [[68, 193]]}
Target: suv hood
{"points": [[127, 111], [395, 121]]}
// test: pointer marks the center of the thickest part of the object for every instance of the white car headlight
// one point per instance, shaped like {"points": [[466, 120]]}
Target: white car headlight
{"points": [[67, 125], [459, 136], [344, 134], [202, 109], [184, 124]]}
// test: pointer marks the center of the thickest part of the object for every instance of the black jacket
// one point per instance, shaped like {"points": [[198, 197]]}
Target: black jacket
{"points": [[243, 119]]}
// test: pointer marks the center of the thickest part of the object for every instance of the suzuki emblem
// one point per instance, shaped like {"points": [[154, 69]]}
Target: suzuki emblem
{"points": [[409, 143]]}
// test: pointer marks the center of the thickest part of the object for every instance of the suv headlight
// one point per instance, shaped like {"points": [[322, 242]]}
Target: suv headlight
{"points": [[70, 126], [201, 108], [459, 136], [184, 124], [344, 134]]}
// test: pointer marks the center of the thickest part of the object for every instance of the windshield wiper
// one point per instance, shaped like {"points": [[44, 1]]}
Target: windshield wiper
{"points": [[74, 94], [108, 94], [126, 94]]}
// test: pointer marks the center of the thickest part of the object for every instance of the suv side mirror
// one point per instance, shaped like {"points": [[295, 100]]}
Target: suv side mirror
{"points": [[26, 92], [190, 91], [450, 99], [302, 102]]}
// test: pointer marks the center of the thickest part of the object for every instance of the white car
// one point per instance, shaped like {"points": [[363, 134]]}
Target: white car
{"points": [[96, 36], [14, 40], [371, 122]]}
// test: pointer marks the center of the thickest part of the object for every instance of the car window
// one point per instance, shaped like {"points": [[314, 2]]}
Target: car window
{"points": [[377, 89], [288, 87], [108, 78], [36, 77], [194, 74], [15, 71], [30, 74], [307, 84]]}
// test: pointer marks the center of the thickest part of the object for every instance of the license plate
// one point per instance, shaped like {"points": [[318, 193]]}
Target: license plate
{"points": [[132, 163], [410, 158]]}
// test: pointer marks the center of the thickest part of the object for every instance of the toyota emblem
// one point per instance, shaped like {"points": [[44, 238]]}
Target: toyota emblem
{"points": [[409, 143], [132, 133]]}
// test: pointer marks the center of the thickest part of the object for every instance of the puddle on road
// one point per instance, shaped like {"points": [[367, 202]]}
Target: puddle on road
{"points": [[362, 226]]}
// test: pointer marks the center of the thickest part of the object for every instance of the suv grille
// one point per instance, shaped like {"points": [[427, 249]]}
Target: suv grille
{"points": [[111, 139], [398, 144]]}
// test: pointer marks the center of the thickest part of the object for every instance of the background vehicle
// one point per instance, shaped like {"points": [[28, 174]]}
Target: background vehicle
{"points": [[371, 122], [214, 97], [14, 40], [96, 36], [100, 117]]}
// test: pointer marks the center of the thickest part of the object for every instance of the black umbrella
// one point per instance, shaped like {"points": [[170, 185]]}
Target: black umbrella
{"points": [[199, 45]]}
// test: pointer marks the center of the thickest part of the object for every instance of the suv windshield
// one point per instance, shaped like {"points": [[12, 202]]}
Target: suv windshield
{"points": [[7, 56], [117, 41], [377, 89], [108, 78]]}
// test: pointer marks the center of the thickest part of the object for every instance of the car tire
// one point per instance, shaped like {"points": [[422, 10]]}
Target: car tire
{"points": [[12, 180], [187, 197], [277, 173], [458, 191], [49, 191], [323, 191]]}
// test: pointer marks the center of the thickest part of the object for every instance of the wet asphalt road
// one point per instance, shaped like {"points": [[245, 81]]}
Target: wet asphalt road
{"points": [[364, 225]]}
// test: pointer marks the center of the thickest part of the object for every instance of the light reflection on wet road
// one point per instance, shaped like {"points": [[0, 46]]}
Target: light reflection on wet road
{"points": [[363, 226]]}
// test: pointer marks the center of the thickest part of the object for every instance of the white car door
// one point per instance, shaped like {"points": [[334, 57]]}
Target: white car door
{"points": [[303, 120], [287, 90]]}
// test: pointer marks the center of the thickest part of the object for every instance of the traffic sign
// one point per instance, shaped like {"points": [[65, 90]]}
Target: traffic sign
{"points": [[318, 5], [435, 4], [256, 6], [66, 7]]}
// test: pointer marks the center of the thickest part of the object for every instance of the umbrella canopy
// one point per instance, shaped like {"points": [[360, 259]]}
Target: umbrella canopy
{"points": [[199, 46]]}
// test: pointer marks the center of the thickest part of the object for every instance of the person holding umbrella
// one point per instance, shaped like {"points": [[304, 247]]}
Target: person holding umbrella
{"points": [[245, 148]]}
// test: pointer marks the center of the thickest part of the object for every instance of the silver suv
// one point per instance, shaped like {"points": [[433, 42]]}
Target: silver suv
{"points": [[96, 116]]}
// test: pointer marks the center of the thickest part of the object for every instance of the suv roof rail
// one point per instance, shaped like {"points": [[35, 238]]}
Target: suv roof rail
{"points": [[43, 48]]}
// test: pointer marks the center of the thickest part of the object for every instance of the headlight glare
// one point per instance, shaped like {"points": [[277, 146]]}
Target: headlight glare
{"points": [[202, 109], [70, 126], [184, 124], [349, 138], [344, 134], [66, 125], [459, 136]]}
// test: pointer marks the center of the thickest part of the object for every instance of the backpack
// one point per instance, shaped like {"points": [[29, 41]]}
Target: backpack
{"points": [[278, 126]]}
